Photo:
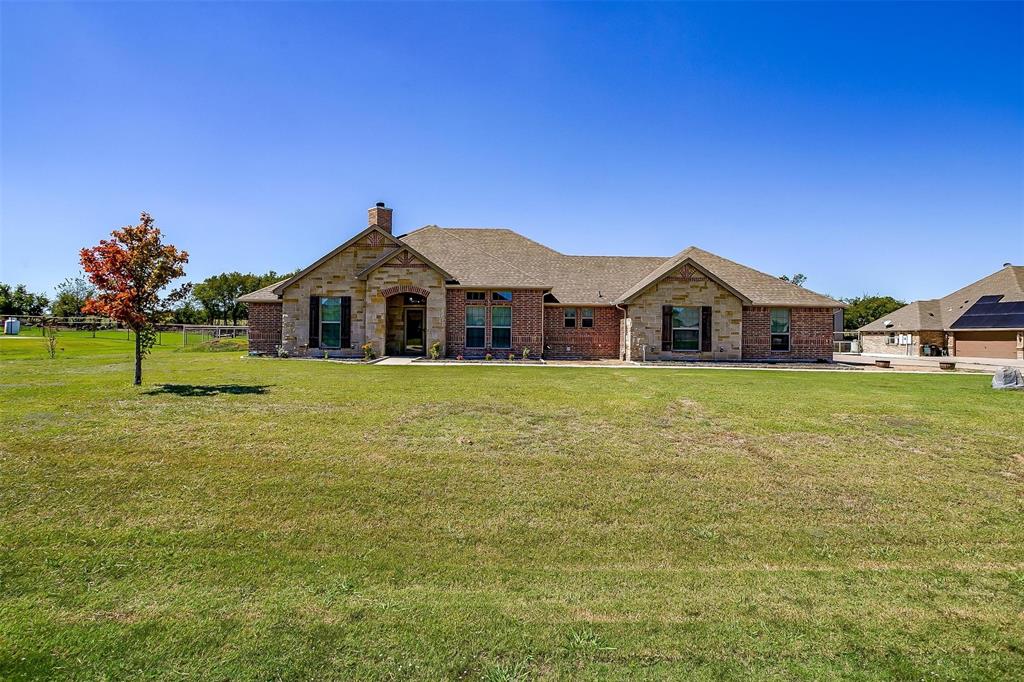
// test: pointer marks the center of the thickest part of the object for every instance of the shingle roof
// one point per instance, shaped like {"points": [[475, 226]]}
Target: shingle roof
{"points": [[916, 316], [480, 256], [264, 295], [582, 280], [758, 288], [499, 257], [1007, 282]]}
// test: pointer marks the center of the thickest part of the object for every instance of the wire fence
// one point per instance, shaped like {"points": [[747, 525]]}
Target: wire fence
{"points": [[846, 342], [105, 328]]}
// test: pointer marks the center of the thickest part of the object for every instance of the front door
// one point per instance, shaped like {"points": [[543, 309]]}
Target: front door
{"points": [[413, 330]]}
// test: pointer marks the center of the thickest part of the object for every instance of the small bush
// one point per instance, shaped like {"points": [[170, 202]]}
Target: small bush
{"points": [[459, 357], [526, 353], [368, 353], [281, 352], [435, 350], [511, 357], [488, 357]]}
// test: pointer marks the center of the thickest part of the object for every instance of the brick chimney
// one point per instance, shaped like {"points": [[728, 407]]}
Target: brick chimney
{"points": [[381, 217]]}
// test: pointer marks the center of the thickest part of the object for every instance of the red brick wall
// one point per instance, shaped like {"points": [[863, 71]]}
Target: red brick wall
{"points": [[599, 341], [264, 327], [810, 334], [527, 323]]}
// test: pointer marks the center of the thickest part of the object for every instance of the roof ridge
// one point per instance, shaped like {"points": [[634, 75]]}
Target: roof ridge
{"points": [[1012, 269], [418, 229], [760, 272], [511, 231], [491, 255]]}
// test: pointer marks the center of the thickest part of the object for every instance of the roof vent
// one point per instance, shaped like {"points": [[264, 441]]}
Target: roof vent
{"points": [[1006, 265], [887, 323], [380, 204]]}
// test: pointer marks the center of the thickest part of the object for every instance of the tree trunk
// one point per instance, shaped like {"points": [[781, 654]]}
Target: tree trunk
{"points": [[138, 359]]}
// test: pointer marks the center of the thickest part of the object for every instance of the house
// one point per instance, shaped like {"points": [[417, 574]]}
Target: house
{"points": [[485, 290], [984, 319]]}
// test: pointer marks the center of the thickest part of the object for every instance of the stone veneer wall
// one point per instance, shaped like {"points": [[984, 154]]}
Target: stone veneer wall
{"points": [[334, 277], [264, 327], [527, 323], [686, 286], [810, 334], [599, 341], [875, 342]]}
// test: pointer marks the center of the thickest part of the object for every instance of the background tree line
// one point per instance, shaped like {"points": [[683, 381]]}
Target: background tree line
{"points": [[860, 309], [215, 299], [212, 301]]}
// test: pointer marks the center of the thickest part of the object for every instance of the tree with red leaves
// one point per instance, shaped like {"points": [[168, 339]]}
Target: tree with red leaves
{"points": [[129, 272]]}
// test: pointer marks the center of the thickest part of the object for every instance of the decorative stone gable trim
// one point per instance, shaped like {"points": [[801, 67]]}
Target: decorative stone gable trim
{"points": [[375, 239], [688, 273], [404, 259]]}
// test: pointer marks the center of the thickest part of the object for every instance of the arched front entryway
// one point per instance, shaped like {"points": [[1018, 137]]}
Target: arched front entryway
{"points": [[406, 328]]}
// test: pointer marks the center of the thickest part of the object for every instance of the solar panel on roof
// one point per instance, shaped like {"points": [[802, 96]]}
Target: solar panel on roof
{"points": [[989, 313]]}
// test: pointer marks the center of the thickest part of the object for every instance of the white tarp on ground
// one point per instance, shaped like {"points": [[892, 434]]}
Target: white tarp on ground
{"points": [[1008, 377]]}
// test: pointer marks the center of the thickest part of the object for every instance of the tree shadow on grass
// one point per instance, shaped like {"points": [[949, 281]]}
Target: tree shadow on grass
{"points": [[207, 390]]}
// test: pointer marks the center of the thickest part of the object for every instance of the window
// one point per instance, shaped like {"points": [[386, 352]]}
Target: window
{"points": [[330, 322], [504, 296], [569, 317], [587, 317], [501, 326], [475, 296], [780, 329], [475, 316], [686, 329], [891, 339]]}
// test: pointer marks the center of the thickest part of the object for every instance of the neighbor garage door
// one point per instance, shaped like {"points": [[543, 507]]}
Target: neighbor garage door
{"points": [[987, 344]]}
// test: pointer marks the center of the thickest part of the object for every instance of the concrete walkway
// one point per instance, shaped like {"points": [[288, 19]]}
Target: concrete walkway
{"points": [[929, 363], [844, 362], [395, 360], [683, 366]]}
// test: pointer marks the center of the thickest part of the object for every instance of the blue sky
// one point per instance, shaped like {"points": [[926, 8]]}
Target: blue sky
{"points": [[875, 147]]}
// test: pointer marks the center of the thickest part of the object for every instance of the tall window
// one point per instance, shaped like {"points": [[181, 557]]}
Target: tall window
{"points": [[780, 329], [330, 322], [504, 296], [475, 320], [501, 326], [587, 317], [569, 317], [686, 329]]}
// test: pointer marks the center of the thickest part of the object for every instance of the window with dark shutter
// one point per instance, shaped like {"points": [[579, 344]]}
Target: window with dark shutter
{"points": [[346, 321], [705, 328], [314, 321], [666, 327]]}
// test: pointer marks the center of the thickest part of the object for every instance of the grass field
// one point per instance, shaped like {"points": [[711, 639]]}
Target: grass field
{"points": [[240, 518]]}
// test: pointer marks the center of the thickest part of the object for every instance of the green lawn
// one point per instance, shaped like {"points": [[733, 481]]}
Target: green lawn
{"points": [[240, 518]]}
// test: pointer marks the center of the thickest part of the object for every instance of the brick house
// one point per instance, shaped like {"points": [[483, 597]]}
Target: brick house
{"points": [[983, 319], [485, 290]]}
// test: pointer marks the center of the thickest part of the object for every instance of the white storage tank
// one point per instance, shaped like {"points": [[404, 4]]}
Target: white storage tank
{"points": [[12, 326]]}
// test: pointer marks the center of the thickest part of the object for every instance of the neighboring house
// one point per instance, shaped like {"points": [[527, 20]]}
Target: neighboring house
{"points": [[486, 290], [984, 319]]}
